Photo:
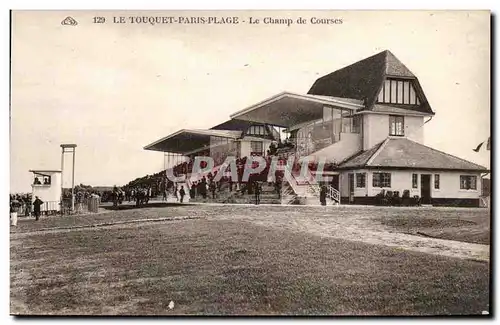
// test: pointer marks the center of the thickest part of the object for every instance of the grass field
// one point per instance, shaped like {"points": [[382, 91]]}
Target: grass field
{"points": [[243, 260]]}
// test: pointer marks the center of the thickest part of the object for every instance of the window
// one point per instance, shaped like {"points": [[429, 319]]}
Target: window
{"points": [[398, 92], [399, 96], [361, 180], [381, 179], [436, 181], [414, 180], [393, 92], [42, 179], [215, 141], [396, 125], [406, 93], [468, 182], [257, 130], [256, 147], [387, 91]]}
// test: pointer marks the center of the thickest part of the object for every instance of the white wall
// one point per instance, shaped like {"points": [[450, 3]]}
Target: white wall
{"points": [[344, 183], [246, 147], [349, 144], [343, 180], [376, 129], [49, 193], [414, 129], [449, 186]]}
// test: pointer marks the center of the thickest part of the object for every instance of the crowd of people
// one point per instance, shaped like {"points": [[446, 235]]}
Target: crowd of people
{"points": [[23, 204], [158, 185]]}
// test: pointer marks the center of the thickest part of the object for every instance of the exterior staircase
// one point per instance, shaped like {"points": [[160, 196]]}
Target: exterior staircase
{"points": [[298, 190], [306, 191]]}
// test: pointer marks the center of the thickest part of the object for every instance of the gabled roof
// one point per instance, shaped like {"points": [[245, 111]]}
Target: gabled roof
{"points": [[361, 158], [402, 153], [363, 80]]}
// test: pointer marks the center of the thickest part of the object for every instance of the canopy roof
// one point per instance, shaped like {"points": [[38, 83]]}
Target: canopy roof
{"points": [[288, 109], [38, 171], [185, 141]]}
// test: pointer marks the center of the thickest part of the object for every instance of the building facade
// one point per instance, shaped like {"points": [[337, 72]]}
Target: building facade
{"points": [[366, 120]]}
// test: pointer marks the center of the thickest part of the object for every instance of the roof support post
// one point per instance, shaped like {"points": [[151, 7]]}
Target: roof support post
{"points": [[333, 126], [341, 123]]}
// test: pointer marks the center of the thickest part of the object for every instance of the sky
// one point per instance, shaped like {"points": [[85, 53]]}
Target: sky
{"points": [[114, 88]]}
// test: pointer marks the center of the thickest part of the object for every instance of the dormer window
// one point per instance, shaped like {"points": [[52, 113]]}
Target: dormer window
{"points": [[257, 130], [398, 92]]}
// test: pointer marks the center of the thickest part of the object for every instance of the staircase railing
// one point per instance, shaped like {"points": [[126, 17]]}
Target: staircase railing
{"points": [[484, 201], [287, 195], [333, 194]]}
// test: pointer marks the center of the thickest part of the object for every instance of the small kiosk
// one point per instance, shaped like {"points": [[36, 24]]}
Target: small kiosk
{"points": [[47, 185]]}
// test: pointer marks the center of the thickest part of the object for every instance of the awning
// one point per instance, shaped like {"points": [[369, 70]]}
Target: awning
{"points": [[186, 141], [287, 109]]}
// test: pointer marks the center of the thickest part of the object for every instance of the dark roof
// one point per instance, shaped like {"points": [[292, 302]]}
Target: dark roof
{"points": [[361, 158], [394, 109], [363, 80], [241, 125], [233, 125], [407, 154]]}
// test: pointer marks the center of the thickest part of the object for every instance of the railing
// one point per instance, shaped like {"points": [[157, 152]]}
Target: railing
{"points": [[48, 207], [287, 195], [333, 194], [82, 205], [484, 201]]}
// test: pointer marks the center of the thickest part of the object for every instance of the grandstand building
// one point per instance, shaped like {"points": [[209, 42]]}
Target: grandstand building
{"points": [[366, 120]]}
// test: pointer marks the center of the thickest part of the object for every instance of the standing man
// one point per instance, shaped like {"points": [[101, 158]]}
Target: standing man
{"points": [[138, 197], [257, 193], [322, 195], [27, 203], [37, 207], [115, 197], [191, 191], [278, 186], [212, 188], [175, 192], [14, 209], [195, 189], [204, 187], [182, 193]]}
